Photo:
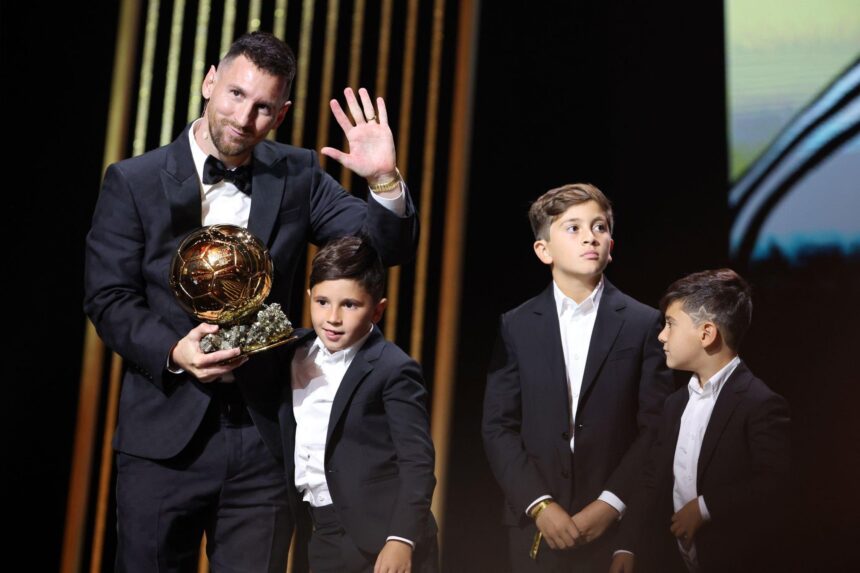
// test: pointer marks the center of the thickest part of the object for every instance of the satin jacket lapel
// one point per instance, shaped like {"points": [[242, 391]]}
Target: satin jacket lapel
{"points": [[730, 396], [267, 190], [610, 317], [547, 337], [358, 370], [182, 186]]}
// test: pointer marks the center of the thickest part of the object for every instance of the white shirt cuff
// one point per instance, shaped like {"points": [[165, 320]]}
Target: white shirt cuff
{"points": [[167, 367], [619, 551], [396, 205], [703, 509], [612, 499], [403, 539], [535, 502]]}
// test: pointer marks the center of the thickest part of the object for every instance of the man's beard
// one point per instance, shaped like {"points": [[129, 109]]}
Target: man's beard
{"points": [[219, 140]]}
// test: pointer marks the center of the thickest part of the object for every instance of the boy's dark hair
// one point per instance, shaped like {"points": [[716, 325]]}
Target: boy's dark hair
{"points": [[350, 258], [554, 202], [267, 52], [721, 296]]}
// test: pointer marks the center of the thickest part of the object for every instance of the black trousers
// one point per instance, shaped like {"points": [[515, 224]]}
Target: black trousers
{"points": [[331, 550], [225, 482]]}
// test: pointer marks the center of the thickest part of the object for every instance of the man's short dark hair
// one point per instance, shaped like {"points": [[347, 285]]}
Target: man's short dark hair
{"points": [[350, 258], [267, 52], [552, 204], [721, 296]]}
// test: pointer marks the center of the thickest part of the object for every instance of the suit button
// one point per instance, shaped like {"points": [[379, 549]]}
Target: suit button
{"points": [[578, 427], [565, 436], [565, 474]]}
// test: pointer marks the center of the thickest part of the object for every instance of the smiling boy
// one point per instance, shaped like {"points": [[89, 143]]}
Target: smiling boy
{"points": [[576, 380], [355, 425]]}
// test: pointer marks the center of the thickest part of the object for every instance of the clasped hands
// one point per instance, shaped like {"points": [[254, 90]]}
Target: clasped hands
{"points": [[563, 531]]}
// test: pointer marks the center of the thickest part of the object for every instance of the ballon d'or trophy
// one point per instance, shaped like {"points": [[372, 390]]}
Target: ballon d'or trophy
{"points": [[221, 274]]}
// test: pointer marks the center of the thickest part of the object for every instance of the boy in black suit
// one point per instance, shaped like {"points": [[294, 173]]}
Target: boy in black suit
{"points": [[719, 464], [577, 379], [355, 424]]}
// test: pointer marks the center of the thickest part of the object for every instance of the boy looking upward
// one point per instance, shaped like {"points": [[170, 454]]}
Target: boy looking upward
{"points": [[355, 425], [576, 380], [719, 464]]}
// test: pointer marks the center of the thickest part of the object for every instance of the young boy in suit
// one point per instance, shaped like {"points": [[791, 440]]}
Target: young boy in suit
{"points": [[719, 464], [576, 381], [355, 425]]}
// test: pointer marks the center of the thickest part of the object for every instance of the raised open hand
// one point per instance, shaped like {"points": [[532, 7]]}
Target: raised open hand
{"points": [[371, 143]]}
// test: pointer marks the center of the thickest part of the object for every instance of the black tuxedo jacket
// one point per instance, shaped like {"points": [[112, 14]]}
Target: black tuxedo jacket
{"points": [[527, 425], [148, 204], [743, 472], [379, 456]]}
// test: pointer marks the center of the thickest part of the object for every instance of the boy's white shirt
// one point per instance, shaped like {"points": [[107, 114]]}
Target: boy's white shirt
{"points": [[316, 375], [694, 424]]}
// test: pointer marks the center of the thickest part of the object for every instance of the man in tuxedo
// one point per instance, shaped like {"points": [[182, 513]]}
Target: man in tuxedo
{"points": [[197, 436], [576, 383]]}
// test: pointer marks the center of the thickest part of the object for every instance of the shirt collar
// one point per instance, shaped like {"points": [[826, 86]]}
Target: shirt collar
{"points": [[319, 352], [717, 381], [564, 303]]}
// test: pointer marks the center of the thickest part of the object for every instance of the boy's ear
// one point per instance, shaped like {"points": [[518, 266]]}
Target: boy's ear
{"points": [[542, 251], [708, 334], [379, 309], [611, 246]]}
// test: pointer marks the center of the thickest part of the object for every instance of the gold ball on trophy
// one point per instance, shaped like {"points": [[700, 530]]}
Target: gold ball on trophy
{"points": [[221, 273]]}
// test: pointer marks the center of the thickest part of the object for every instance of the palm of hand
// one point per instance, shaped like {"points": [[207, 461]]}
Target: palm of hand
{"points": [[371, 149]]}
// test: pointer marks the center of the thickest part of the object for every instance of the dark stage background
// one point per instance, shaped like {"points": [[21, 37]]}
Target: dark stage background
{"points": [[621, 94]]}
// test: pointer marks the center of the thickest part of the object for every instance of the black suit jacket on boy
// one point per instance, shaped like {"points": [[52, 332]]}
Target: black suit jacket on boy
{"points": [[742, 473], [379, 456], [148, 204], [527, 420]]}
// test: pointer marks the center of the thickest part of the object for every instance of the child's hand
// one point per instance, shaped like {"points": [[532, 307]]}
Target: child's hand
{"points": [[622, 563], [594, 519], [687, 522], [557, 528], [395, 557]]}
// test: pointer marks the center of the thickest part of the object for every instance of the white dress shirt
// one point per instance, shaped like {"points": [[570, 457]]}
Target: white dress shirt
{"points": [[316, 377], [222, 203], [576, 324], [694, 423]]}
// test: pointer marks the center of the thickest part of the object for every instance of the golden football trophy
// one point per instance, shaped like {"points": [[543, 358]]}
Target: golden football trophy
{"points": [[221, 274]]}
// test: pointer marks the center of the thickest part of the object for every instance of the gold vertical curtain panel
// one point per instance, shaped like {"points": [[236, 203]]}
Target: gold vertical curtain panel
{"points": [[417, 54]]}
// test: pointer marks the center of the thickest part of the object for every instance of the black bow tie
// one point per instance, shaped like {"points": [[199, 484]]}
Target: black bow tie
{"points": [[214, 171]]}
